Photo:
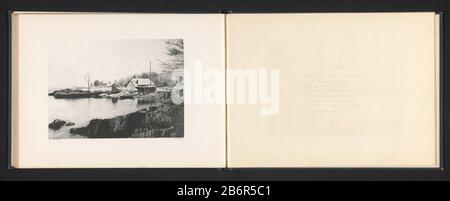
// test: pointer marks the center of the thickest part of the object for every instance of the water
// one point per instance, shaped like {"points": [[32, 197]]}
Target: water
{"points": [[81, 111]]}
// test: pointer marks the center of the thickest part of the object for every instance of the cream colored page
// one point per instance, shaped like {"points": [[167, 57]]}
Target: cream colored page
{"points": [[203, 144], [437, 57], [355, 90]]}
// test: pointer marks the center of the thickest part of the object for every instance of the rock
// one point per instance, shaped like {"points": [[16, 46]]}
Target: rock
{"points": [[70, 124], [117, 127], [179, 131], [152, 108], [157, 133], [56, 124]]}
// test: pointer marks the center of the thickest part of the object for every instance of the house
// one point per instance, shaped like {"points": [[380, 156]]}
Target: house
{"points": [[142, 85]]}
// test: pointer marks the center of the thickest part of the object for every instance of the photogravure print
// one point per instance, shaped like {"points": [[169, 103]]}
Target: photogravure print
{"points": [[116, 89]]}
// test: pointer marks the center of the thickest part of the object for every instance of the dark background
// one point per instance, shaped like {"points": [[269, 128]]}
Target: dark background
{"points": [[221, 6]]}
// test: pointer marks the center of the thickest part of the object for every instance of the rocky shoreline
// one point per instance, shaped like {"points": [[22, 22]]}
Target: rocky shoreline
{"points": [[164, 119], [75, 93], [57, 124]]}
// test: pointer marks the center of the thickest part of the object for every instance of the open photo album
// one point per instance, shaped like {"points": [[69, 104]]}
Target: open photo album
{"points": [[294, 90]]}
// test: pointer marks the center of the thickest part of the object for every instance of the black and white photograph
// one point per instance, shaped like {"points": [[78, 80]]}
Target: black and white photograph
{"points": [[115, 88]]}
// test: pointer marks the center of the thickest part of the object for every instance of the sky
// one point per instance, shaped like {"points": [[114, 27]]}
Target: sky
{"points": [[107, 60]]}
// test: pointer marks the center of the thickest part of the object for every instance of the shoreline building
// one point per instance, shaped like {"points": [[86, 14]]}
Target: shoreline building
{"points": [[141, 85]]}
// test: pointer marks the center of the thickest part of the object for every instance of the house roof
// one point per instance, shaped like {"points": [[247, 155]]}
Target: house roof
{"points": [[142, 81]]}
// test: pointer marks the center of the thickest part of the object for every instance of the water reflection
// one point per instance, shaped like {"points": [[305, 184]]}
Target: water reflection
{"points": [[81, 111]]}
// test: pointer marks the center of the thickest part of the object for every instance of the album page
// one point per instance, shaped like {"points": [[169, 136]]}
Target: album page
{"points": [[107, 90], [333, 90]]}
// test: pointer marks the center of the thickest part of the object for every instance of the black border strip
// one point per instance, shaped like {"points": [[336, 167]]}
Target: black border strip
{"points": [[443, 151], [9, 139]]}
